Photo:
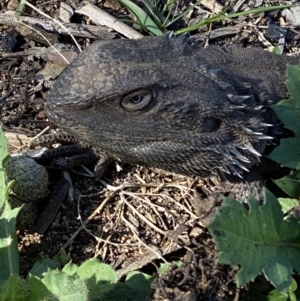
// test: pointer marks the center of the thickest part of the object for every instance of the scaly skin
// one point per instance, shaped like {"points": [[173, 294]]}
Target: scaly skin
{"points": [[163, 103]]}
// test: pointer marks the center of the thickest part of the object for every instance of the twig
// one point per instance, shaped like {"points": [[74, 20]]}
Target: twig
{"points": [[99, 16]]}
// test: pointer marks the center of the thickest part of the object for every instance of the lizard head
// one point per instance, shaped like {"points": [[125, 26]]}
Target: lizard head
{"points": [[162, 103]]}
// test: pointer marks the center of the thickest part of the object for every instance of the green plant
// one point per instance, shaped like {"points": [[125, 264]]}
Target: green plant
{"points": [[267, 239], [90, 281], [157, 20]]}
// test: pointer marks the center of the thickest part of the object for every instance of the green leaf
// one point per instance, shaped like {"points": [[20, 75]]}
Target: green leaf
{"points": [[57, 286], [14, 289], [275, 295], [287, 153], [261, 242], [9, 255], [288, 110], [139, 283], [98, 277], [151, 9], [135, 288], [144, 20], [290, 184], [165, 266], [293, 286], [40, 268], [62, 257], [287, 204], [70, 268]]}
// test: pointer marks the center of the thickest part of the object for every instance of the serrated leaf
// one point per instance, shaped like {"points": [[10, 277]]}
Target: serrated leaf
{"points": [[135, 288], [58, 286], [40, 268], [261, 242], [15, 288], [144, 20], [9, 255], [99, 277], [288, 111], [70, 268], [288, 115], [287, 153], [139, 283], [292, 83], [290, 184]]}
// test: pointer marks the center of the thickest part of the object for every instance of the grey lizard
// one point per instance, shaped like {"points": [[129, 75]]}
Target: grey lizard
{"points": [[161, 102]]}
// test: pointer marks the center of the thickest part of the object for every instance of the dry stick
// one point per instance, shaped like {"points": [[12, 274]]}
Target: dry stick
{"points": [[140, 241], [164, 233], [212, 5], [54, 20], [79, 30], [85, 223], [148, 258], [57, 51], [210, 25], [153, 206], [101, 17], [238, 5], [162, 196], [8, 136]]}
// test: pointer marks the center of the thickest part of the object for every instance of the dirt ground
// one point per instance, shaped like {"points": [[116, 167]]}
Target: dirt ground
{"points": [[134, 216]]}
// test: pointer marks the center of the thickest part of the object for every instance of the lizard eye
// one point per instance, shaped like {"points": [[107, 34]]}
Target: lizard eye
{"points": [[137, 101]]}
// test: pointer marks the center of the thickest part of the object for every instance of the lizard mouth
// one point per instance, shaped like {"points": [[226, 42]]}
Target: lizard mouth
{"points": [[58, 119]]}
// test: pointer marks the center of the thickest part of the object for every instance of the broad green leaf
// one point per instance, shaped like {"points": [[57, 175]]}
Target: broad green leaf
{"points": [[57, 286], [9, 255], [289, 116], [290, 184], [287, 153], [144, 20], [261, 241], [288, 110]]}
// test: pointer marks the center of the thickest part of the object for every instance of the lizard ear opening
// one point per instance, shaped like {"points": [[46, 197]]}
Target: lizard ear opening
{"points": [[210, 125], [137, 100]]}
